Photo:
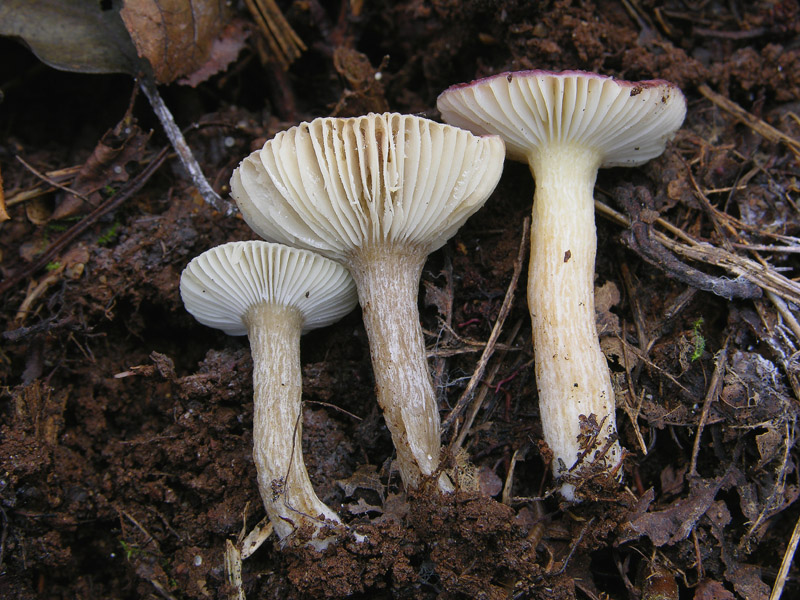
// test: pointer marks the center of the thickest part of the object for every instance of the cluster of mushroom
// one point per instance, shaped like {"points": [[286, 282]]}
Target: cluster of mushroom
{"points": [[376, 194], [363, 201]]}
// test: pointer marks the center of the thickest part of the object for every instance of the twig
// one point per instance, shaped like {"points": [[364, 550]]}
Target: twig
{"points": [[650, 363], [458, 441], [505, 308], [182, 148], [764, 248], [714, 389], [161, 589], [21, 196], [509, 482], [233, 571], [133, 186], [283, 42], [54, 183], [572, 550], [147, 534], [759, 126], [786, 563], [333, 406], [641, 239], [628, 405], [788, 317], [764, 277]]}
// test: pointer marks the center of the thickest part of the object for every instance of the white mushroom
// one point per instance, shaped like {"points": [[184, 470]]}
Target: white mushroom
{"points": [[377, 193], [565, 126], [273, 293]]}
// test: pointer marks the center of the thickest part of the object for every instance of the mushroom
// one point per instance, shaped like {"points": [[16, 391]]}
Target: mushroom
{"points": [[378, 193], [273, 294], [566, 126]]}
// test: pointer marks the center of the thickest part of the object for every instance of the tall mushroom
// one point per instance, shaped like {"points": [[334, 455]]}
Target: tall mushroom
{"points": [[273, 294], [566, 126], [377, 193]]}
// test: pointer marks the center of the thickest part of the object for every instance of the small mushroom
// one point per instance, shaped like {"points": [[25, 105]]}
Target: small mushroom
{"points": [[566, 126], [378, 193], [273, 294]]}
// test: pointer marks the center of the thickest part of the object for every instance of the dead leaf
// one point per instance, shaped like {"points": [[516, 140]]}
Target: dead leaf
{"points": [[606, 297], [3, 212], [677, 521], [746, 580], [366, 478], [72, 35], [224, 50], [361, 507], [438, 297], [672, 479], [39, 210], [118, 147], [395, 509], [365, 91], [712, 590], [175, 36], [769, 444], [488, 482]]}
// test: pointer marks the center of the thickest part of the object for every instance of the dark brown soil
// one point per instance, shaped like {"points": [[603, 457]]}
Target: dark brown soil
{"points": [[125, 426]]}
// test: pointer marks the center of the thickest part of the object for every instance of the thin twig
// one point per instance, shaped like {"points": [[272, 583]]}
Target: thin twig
{"points": [[333, 406], [505, 308], [764, 277], [509, 482], [130, 188], [786, 313], [573, 548], [464, 430], [182, 148], [285, 45], [759, 126], [786, 563], [54, 183], [714, 389], [635, 351]]}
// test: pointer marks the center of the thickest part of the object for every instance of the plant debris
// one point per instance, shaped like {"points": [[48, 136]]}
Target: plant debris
{"points": [[126, 466]]}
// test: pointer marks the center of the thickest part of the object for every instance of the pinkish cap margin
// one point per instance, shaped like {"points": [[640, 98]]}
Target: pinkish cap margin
{"points": [[647, 83]]}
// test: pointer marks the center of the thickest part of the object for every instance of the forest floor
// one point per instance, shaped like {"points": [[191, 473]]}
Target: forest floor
{"points": [[125, 426]]}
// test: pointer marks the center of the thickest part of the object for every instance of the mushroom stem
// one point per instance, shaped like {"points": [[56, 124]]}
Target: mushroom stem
{"points": [[387, 280], [283, 482], [571, 371]]}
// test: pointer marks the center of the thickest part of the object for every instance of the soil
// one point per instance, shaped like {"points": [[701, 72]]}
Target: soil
{"points": [[125, 426]]}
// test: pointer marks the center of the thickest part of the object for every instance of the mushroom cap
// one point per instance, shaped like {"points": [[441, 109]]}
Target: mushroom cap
{"points": [[627, 122], [339, 185], [222, 284]]}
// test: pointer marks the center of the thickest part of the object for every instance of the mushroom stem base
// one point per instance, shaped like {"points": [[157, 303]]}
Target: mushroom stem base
{"points": [[388, 283], [283, 481], [576, 400]]}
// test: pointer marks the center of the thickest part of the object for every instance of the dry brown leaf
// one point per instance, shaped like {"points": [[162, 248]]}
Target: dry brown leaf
{"points": [[118, 147], [365, 477], [712, 590], [175, 36], [606, 297], [362, 507], [746, 580], [489, 483], [3, 212], [677, 521], [39, 210], [224, 50]]}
